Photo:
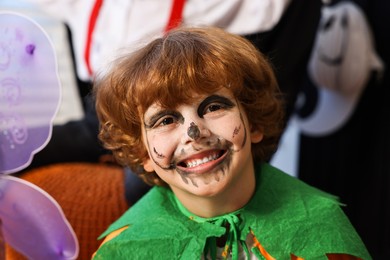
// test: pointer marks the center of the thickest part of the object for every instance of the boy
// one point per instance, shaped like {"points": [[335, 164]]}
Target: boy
{"points": [[199, 109]]}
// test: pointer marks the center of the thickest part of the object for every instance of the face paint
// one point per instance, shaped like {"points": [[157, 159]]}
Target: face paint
{"points": [[163, 117], [213, 103], [223, 155], [193, 131], [159, 155], [236, 131], [198, 145], [245, 130]]}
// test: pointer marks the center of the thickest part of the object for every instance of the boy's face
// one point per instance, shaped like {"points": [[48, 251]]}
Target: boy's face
{"points": [[200, 149]]}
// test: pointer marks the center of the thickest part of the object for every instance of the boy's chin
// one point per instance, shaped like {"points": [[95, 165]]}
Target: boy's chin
{"points": [[206, 188]]}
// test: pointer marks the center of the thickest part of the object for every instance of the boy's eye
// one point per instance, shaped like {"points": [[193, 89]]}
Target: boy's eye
{"points": [[167, 121], [163, 118], [212, 108], [213, 104]]}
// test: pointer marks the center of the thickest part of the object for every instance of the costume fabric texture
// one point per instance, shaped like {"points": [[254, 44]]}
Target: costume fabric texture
{"points": [[285, 215]]}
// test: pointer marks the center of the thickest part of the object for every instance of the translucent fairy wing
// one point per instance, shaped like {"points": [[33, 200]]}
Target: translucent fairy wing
{"points": [[33, 223], [29, 90]]}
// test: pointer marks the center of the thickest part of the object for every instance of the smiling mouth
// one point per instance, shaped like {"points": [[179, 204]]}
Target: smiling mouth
{"points": [[203, 159]]}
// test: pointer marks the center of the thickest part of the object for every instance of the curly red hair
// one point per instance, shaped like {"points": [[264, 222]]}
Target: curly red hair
{"points": [[169, 70]]}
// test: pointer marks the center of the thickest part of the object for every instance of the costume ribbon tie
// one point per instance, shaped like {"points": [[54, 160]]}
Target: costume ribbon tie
{"points": [[234, 226]]}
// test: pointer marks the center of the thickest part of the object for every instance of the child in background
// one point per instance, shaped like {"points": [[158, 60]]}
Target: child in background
{"points": [[198, 113]]}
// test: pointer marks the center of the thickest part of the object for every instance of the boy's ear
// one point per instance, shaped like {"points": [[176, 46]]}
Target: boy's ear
{"points": [[148, 165], [256, 135]]}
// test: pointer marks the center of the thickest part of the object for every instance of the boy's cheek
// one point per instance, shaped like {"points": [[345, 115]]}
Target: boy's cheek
{"points": [[231, 129]]}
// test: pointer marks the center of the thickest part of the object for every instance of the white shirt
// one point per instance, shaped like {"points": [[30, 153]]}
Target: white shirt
{"points": [[129, 23]]}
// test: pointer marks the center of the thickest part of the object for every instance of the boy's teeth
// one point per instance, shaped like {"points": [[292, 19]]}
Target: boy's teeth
{"points": [[197, 162]]}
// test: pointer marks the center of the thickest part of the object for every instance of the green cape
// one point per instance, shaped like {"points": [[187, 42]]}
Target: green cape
{"points": [[286, 216]]}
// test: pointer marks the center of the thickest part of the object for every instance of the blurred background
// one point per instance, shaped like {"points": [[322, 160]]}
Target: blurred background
{"points": [[351, 159]]}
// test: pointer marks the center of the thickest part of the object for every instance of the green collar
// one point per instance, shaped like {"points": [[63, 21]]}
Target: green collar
{"points": [[285, 215]]}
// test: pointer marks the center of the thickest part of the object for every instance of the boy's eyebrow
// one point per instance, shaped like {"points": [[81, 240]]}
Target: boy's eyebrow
{"points": [[211, 99]]}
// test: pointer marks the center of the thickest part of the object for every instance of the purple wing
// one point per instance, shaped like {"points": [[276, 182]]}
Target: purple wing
{"points": [[29, 91], [33, 223]]}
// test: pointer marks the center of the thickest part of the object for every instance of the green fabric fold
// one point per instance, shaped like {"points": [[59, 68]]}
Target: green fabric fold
{"points": [[285, 215], [233, 225]]}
